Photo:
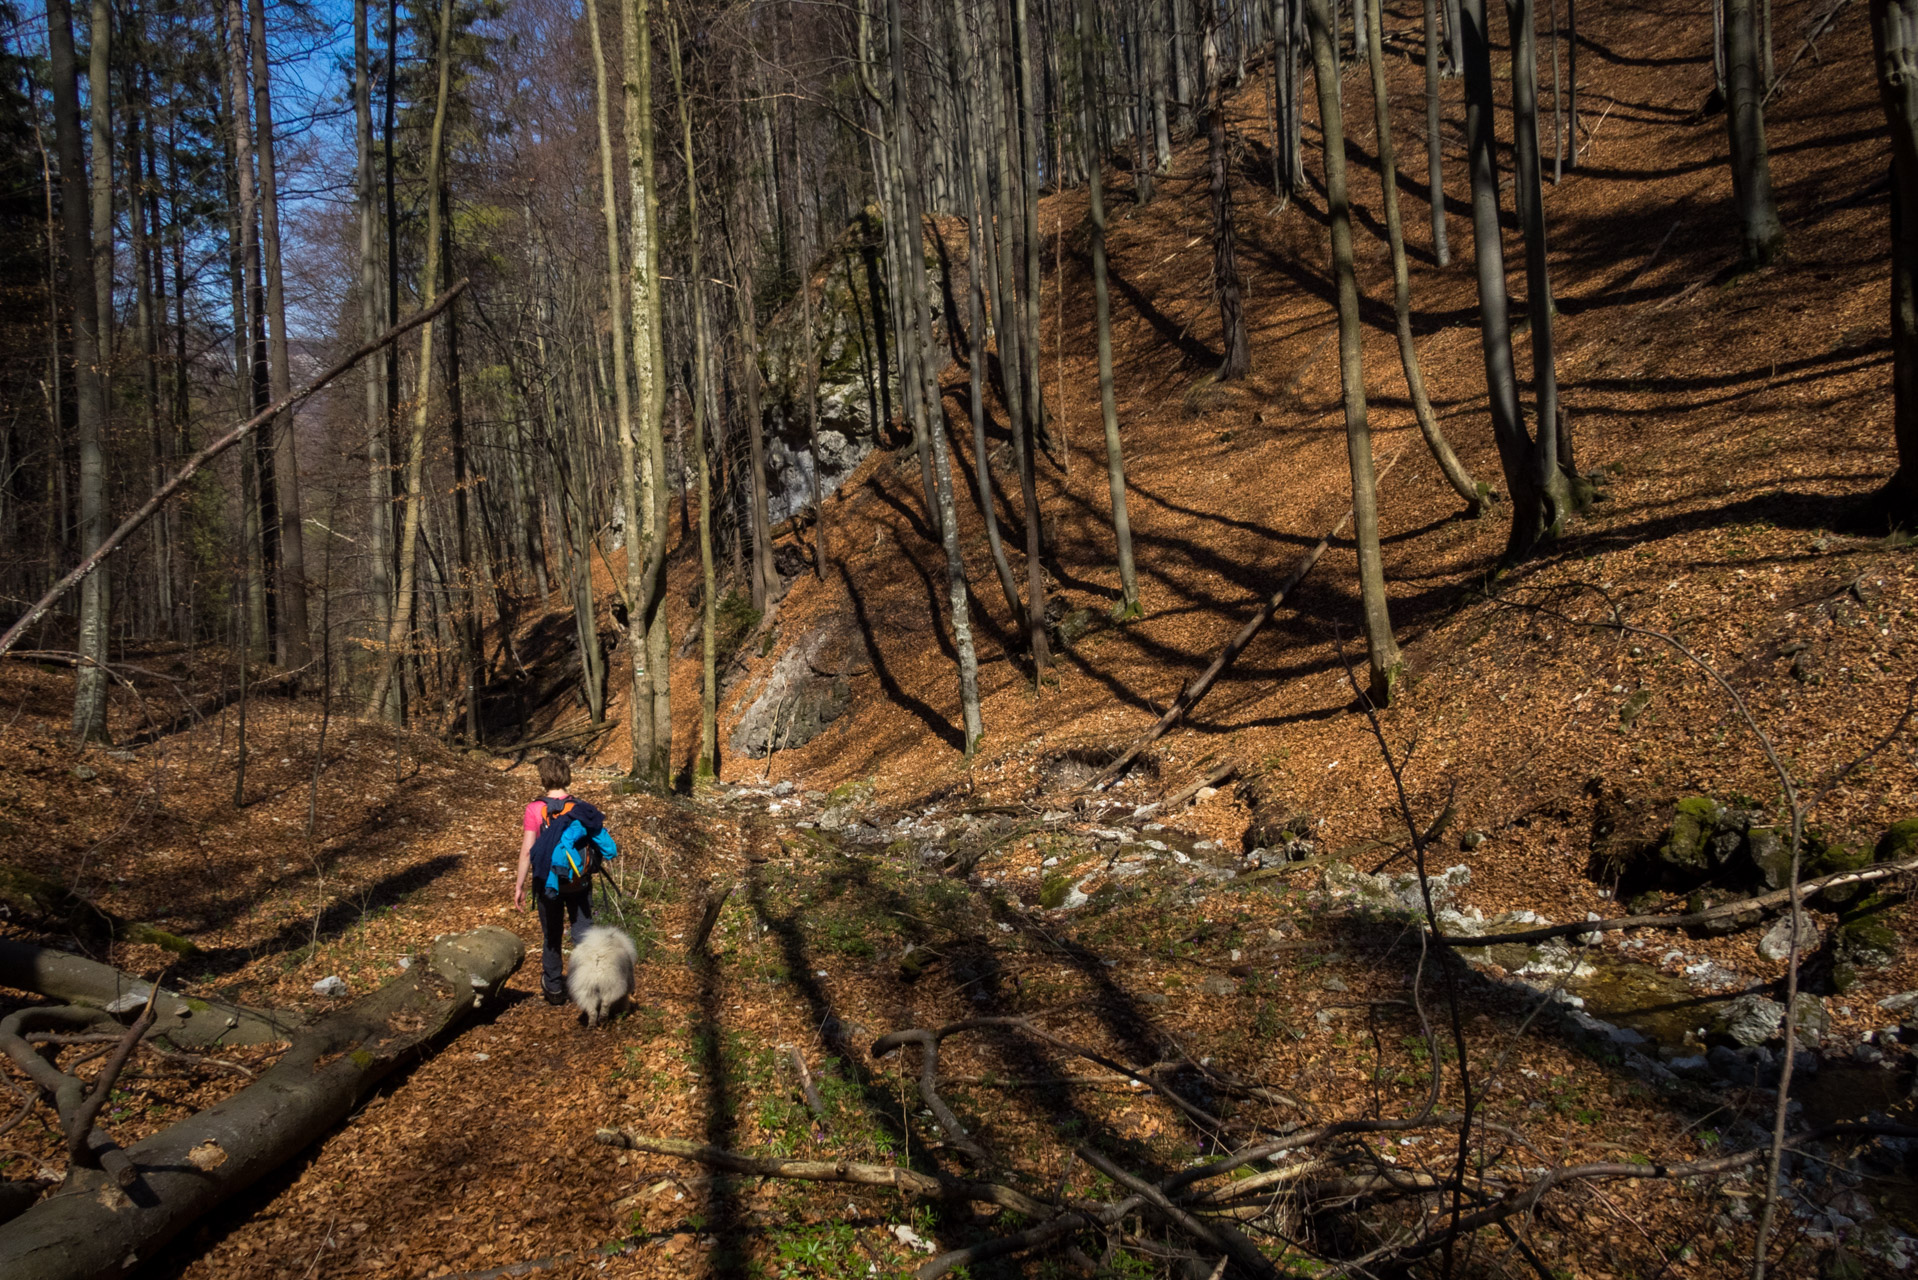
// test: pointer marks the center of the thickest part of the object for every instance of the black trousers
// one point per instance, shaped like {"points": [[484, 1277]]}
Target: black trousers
{"points": [[556, 914]]}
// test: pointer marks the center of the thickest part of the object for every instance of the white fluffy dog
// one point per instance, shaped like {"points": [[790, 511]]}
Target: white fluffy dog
{"points": [[602, 973]]}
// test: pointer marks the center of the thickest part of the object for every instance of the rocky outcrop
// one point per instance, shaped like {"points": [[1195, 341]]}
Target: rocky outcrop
{"points": [[808, 689], [849, 371]]}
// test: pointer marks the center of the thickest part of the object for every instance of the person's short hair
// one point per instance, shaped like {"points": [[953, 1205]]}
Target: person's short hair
{"points": [[554, 772]]}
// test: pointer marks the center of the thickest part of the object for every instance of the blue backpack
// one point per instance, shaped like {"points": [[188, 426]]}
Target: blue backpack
{"points": [[571, 846]]}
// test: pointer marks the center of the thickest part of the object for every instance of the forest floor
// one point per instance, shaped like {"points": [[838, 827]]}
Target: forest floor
{"points": [[1733, 421]]}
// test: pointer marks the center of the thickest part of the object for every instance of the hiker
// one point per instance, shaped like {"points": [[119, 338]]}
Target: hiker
{"points": [[564, 844]]}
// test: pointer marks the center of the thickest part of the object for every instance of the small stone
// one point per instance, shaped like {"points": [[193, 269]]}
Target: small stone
{"points": [[1219, 985], [85, 772], [1770, 854], [1155, 998], [1471, 840], [332, 986], [1902, 1001], [1777, 942], [1751, 1020], [1334, 983], [783, 787], [1809, 1019]]}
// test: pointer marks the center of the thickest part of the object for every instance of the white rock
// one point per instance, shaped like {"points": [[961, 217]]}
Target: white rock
{"points": [[332, 985], [1776, 944], [911, 1239]]}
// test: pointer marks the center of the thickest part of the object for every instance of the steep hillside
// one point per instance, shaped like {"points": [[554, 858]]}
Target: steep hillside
{"points": [[1730, 420]]}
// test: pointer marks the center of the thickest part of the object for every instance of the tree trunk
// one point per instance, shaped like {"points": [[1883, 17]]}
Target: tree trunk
{"points": [[1548, 470], [1571, 84], [820, 536], [1434, 159], [971, 84], [1102, 308], [187, 1168], [640, 691], [1461, 481], [379, 464], [294, 641], [1894, 31], [1381, 647], [707, 763], [945, 517], [398, 636], [1495, 330], [1227, 284], [100, 117], [645, 581], [89, 382], [1759, 227]]}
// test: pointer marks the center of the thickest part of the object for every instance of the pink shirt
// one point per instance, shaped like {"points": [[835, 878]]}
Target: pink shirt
{"points": [[535, 814]]}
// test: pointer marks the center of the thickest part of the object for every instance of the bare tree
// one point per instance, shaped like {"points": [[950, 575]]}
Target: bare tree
{"points": [[1474, 493], [1128, 606], [1381, 647], [89, 381], [1894, 34], [1762, 233]]}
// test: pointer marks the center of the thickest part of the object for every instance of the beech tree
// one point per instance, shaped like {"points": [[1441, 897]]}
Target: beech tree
{"points": [[1894, 34], [1382, 650]]}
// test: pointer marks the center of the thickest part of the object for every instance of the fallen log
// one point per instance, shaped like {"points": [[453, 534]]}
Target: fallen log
{"points": [[91, 1228], [1761, 903], [186, 1022], [936, 1186]]}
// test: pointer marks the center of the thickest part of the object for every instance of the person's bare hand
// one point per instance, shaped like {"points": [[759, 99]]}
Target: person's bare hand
{"points": [[519, 897]]}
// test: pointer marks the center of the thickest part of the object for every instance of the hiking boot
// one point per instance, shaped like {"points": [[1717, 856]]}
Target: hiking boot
{"points": [[554, 997]]}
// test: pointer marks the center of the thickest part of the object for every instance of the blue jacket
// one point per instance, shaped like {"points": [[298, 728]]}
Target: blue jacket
{"points": [[568, 827]]}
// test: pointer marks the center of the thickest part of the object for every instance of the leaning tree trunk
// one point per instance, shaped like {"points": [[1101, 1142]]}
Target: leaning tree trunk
{"points": [[1474, 493], [1381, 647], [95, 1229], [1894, 33], [1762, 233]]}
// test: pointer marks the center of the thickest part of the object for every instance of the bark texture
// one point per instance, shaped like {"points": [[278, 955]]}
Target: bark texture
{"points": [[1894, 32]]}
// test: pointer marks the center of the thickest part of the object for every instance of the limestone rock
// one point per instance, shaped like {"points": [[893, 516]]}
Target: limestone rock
{"points": [[1776, 944], [1750, 1020]]}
